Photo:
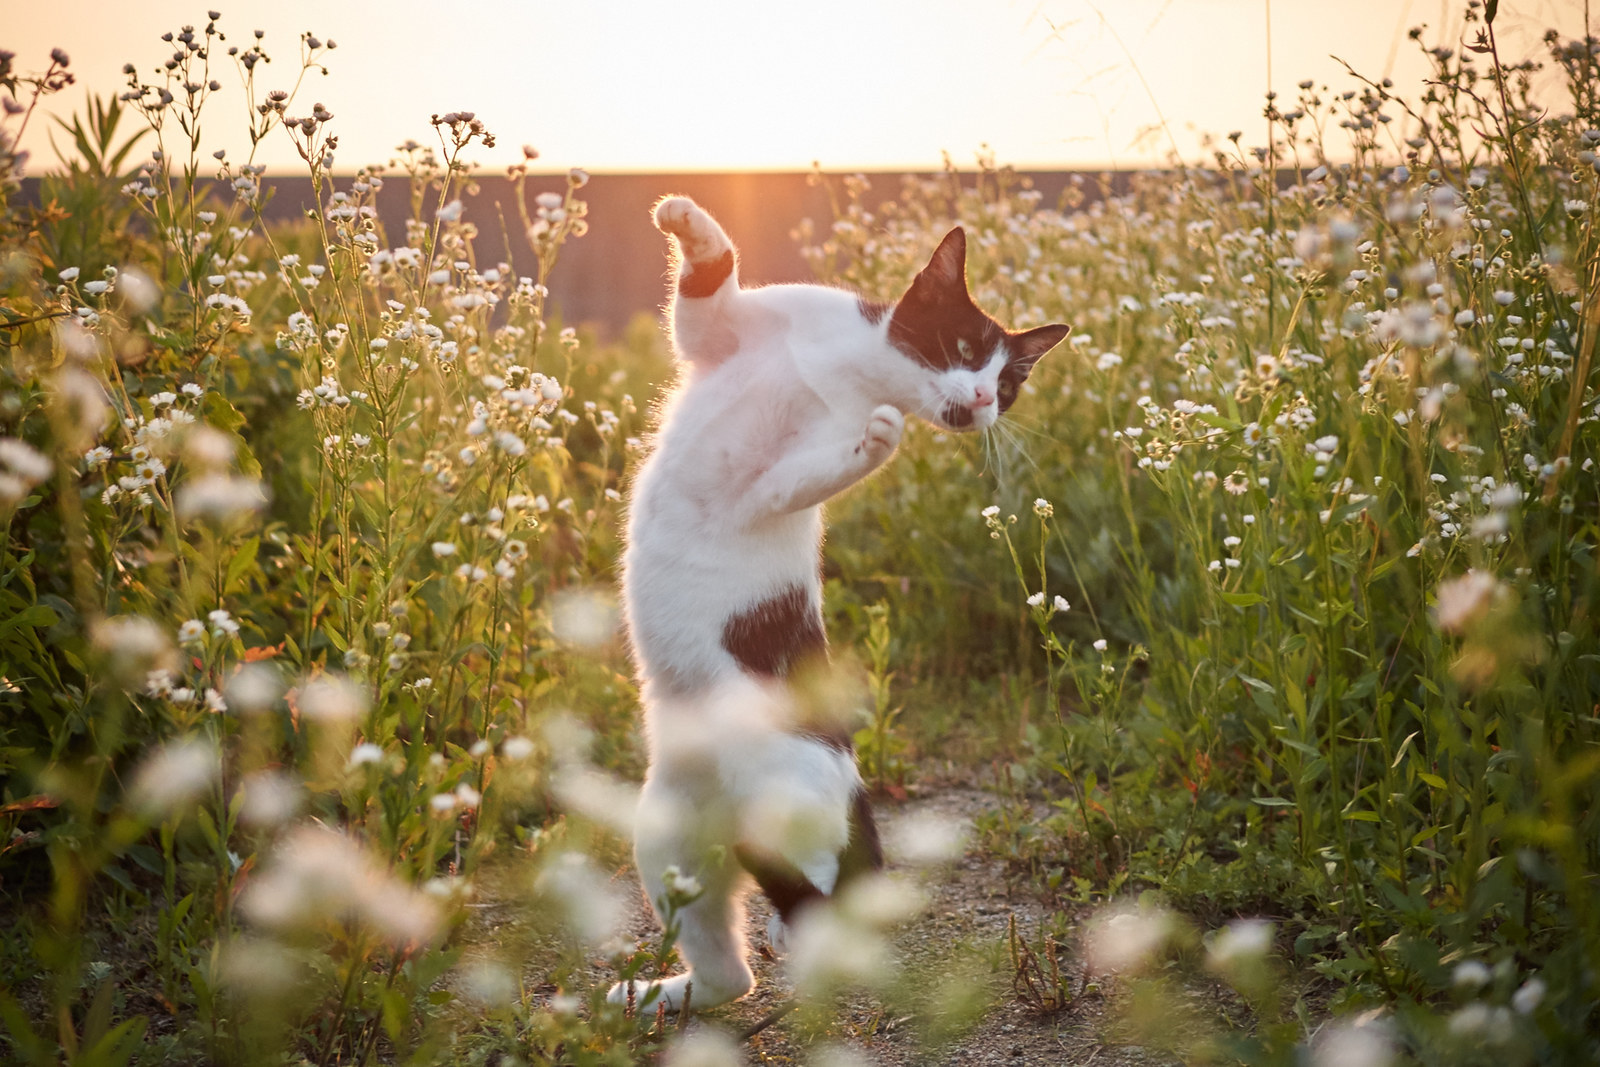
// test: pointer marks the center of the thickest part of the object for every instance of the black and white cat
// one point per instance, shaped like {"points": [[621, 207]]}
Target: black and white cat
{"points": [[788, 395]]}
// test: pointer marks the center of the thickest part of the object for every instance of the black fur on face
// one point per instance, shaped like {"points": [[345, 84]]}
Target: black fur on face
{"points": [[937, 324]]}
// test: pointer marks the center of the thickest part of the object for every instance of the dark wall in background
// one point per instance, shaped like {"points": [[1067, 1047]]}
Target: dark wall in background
{"points": [[618, 269]]}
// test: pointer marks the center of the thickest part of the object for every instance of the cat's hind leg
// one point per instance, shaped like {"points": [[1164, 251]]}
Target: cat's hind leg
{"points": [[710, 934], [796, 879]]}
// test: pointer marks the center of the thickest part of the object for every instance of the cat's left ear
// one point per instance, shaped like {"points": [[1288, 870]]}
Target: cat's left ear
{"points": [[946, 269], [1028, 347]]}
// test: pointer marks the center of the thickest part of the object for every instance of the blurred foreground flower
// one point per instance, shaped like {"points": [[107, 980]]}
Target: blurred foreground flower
{"points": [[926, 839], [331, 698], [317, 876], [704, 1047], [1125, 938], [592, 906], [1360, 1042], [220, 497], [173, 775], [1462, 601]]}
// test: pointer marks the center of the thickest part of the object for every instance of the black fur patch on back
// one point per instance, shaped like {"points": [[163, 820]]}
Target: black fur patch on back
{"points": [[864, 853], [704, 279], [781, 881], [776, 636]]}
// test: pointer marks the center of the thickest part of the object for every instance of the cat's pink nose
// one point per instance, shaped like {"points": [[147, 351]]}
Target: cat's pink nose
{"points": [[983, 396]]}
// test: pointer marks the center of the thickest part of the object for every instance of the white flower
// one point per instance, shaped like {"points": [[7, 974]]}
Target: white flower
{"points": [[70, 274], [1061, 604], [1100, 645], [365, 753], [1358, 1043], [1471, 976], [332, 698], [25, 461], [517, 748], [191, 631], [1124, 939], [1043, 508], [270, 798], [1462, 601], [1241, 941], [1528, 997], [1036, 600], [172, 775], [441, 549], [317, 874], [215, 495]]}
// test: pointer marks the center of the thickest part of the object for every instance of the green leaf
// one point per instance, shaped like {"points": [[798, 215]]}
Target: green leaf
{"points": [[1361, 816], [241, 561], [1242, 600], [38, 616], [1432, 779], [1272, 802]]}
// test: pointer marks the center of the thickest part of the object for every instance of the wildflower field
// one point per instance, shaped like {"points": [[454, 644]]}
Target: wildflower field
{"points": [[1265, 625]]}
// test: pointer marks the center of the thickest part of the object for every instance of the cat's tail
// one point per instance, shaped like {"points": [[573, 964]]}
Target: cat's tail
{"points": [[706, 260]]}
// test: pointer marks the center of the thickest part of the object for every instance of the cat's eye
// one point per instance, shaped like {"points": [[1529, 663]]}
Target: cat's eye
{"points": [[1006, 390], [964, 349]]}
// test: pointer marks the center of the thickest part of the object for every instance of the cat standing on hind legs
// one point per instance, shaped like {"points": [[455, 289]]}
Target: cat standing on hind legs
{"points": [[787, 395]]}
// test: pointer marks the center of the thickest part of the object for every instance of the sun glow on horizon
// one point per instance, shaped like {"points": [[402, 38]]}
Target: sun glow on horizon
{"points": [[719, 85]]}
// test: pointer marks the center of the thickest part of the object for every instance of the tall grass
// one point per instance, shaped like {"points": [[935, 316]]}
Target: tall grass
{"points": [[305, 544], [1317, 479]]}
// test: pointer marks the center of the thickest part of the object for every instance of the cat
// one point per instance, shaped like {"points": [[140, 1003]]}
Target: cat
{"points": [[787, 395]]}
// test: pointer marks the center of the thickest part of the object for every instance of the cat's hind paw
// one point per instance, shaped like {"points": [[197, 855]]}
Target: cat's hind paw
{"points": [[647, 996]]}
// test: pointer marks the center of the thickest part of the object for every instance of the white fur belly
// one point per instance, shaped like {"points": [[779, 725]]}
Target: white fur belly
{"points": [[687, 572]]}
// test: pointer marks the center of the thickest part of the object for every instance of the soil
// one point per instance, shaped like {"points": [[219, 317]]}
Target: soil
{"points": [[970, 903]]}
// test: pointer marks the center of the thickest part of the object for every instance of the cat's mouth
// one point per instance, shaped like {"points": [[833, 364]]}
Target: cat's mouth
{"points": [[958, 417]]}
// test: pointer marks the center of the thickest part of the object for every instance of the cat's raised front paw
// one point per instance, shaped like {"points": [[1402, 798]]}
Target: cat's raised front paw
{"points": [[698, 232], [673, 215], [883, 433]]}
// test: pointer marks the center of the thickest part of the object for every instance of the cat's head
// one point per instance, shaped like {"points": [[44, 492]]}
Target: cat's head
{"points": [[975, 366]]}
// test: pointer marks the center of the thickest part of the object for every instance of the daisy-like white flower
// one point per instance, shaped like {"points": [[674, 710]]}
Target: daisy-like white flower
{"points": [[191, 631], [1237, 483], [1036, 600]]}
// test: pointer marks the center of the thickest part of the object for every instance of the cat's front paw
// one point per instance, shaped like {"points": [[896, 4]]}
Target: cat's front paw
{"points": [[883, 434], [673, 215], [697, 231]]}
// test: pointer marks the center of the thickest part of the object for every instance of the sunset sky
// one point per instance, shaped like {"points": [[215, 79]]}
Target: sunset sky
{"points": [[614, 85]]}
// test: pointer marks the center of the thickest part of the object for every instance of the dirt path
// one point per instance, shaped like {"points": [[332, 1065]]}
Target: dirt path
{"points": [[958, 939]]}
